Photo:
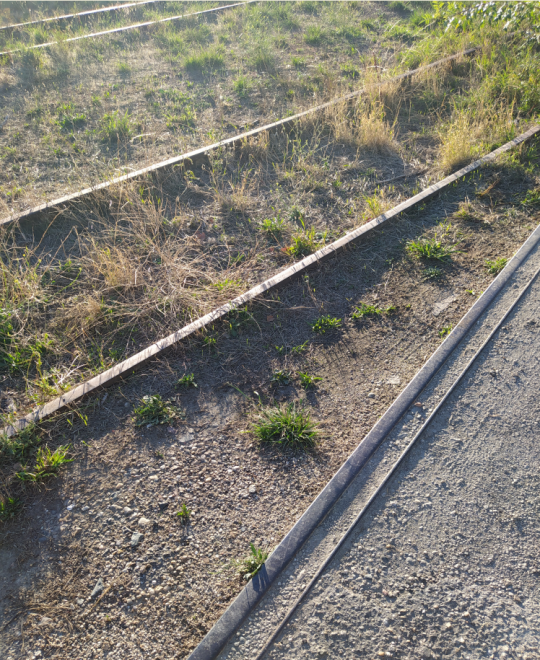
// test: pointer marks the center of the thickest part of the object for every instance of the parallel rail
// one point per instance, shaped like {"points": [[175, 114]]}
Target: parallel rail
{"points": [[128, 366], [81, 14], [200, 156], [135, 26]]}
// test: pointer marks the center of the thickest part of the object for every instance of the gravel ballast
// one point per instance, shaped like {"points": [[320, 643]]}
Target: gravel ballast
{"points": [[445, 563]]}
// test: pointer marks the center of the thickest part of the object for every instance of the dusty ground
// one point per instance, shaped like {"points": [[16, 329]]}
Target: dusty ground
{"points": [[162, 595], [445, 563]]}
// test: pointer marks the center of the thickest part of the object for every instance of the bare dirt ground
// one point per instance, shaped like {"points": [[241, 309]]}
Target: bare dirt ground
{"points": [[159, 593], [445, 562]]}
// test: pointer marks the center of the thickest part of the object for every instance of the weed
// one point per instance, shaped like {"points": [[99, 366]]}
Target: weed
{"points": [[306, 243], [123, 68], [263, 58], [349, 70], [154, 410], [432, 273], [301, 348], [297, 215], [371, 310], [495, 267], [325, 323], [205, 60], [116, 127], [286, 426], [532, 198], [210, 342], [430, 248], [68, 119], [187, 380], [9, 508], [314, 35], [251, 565], [242, 86], [308, 381], [281, 377], [273, 225], [298, 62], [446, 330], [47, 464], [184, 514], [18, 447]]}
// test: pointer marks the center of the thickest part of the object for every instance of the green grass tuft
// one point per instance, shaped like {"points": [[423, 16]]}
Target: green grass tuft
{"points": [[48, 463], [495, 267], [252, 564], [430, 248], [325, 323], [154, 410], [286, 426]]}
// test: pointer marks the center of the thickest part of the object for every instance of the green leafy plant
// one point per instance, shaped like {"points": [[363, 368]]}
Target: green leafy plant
{"points": [[48, 463], [532, 198], [325, 323], [154, 410], [286, 426], [116, 127], [432, 273], [273, 225], [9, 508], [306, 243], [281, 377], [252, 564], [301, 348], [494, 267], [184, 514], [446, 330], [19, 447], [371, 310], [187, 380], [430, 249], [242, 85], [314, 35], [205, 60], [308, 381], [123, 68]]}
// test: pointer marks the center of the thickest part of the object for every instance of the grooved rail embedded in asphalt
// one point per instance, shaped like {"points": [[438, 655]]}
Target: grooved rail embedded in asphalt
{"points": [[444, 563]]}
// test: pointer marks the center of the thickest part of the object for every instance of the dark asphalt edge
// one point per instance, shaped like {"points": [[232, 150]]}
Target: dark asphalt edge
{"points": [[245, 603]]}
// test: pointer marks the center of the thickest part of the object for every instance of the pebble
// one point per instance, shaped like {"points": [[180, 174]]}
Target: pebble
{"points": [[127, 510], [136, 538], [252, 489], [371, 395], [144, 521], [98, 588]]}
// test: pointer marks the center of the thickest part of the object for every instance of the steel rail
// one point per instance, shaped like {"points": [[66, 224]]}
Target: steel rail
{"points": [[127, 366], [135, 26], [17, 26], [199, 156], [324, 565]]}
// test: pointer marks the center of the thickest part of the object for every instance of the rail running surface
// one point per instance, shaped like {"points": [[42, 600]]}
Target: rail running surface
{"points": [[135, 26], [325, 564], [66, 17], [135, 361], [201, 155]]}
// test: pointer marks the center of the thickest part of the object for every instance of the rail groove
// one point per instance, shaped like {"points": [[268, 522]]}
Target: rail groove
{"points": [[128, 366], [199, 156], [135, 26], [327, 561], [90, 12]]}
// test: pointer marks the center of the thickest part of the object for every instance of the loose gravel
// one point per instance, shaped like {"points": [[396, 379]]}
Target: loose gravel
{"points": [[445, 563]]}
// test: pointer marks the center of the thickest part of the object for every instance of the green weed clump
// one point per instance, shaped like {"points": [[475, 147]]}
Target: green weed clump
{"points": [[20, 446], [116, 127], [48, 463], [154, 410], [494, 267], [371, 310], [314, 35], [430, 248], [325, 323], [9, 508], [446, 330], [184, 514], [306, 243], [308, 381], [187, 380], [205, 60], [281, 377], [287, 426], [252, 564], [432, 273]]}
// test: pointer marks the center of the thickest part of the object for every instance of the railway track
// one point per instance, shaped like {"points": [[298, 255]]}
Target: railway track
{"points": [[200, 156], [78, 15], [340, 503], [128, 366], [135, 26]]}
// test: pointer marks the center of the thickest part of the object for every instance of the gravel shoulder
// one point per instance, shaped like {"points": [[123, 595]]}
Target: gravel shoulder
{"points": [[445, 563]]}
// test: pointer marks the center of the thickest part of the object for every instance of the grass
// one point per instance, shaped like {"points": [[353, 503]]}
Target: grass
{"points": [[308, 381], [287, 426], [205, 60], [427, 248], [187, 381], [314, 35], [325, 323], [274, 226], [116, 127], [252, 564], [47, 465], [19, 447], [154, 410], [371, 310], [9, 508], [306, 243], [495, 266]]}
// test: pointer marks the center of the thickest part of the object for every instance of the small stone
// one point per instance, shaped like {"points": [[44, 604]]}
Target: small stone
{"points": [[153, 477], [243, 493], [394, 380], [163, 506], [44, 621], [425, 652], [98, 588], [144, 521], [80, 601], [136, 538], [127, 511], [77, 531], [371, 395], [252, 489]]}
